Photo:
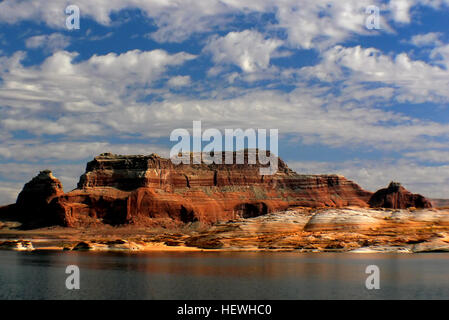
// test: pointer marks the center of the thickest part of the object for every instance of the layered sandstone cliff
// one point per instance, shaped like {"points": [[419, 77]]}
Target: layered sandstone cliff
{"points": [[150, 190]]}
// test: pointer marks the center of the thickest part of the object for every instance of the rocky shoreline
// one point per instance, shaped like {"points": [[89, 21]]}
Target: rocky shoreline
{"points": [[356, 230]]}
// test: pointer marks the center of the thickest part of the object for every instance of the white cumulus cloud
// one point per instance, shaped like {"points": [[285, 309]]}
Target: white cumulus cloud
{"points": [[249, 50]]}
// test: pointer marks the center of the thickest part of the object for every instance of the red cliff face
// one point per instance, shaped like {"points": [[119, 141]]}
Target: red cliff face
{"points": [[397, 197], [150, 190]]}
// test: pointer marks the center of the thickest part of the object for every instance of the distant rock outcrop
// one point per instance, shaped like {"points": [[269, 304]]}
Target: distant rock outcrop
{"points": [[33, 201], [31, 207], [395, 196], [150, 190], [440, 203], [39, 191]]}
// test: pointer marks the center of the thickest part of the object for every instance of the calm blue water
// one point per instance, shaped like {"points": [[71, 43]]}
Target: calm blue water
{"points": [[219, 275]]}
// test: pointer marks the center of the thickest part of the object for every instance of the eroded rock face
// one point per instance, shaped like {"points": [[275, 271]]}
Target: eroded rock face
{"points": [[150, 190], [395, 196]]}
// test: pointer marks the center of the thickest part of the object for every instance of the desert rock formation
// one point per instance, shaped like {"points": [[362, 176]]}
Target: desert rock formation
{"points": [[151, 190], [395, 196]]}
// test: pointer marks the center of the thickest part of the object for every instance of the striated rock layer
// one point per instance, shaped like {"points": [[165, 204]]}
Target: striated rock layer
{"points": [[150, 190], [332, 229]]}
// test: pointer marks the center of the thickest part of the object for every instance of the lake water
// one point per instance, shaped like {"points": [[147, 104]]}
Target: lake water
{"points": [[222, 275]]}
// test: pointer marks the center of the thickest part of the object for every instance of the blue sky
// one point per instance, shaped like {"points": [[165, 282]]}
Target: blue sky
{"points": [[369, 104]]}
